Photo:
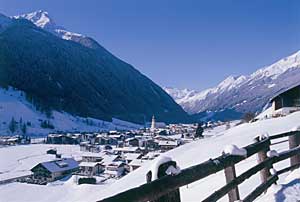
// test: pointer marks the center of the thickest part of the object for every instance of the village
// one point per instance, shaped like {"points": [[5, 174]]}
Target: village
{"points": [[106, 155]]}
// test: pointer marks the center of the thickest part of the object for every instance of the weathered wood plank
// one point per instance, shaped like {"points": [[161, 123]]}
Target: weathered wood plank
{"points": [[261, 157], [287, 134], [230, 175], [294, 141]]}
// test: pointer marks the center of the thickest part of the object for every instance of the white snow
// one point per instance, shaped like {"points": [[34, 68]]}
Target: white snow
{"points": [[155, 165], [288, 191], [263, 136], [234, 150], [297, 128], [272, 153], [185, 156], [273, 171], [173, 171]]}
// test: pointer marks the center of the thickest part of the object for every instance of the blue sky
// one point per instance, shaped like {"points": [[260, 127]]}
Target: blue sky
{"points": [[185, 44]]}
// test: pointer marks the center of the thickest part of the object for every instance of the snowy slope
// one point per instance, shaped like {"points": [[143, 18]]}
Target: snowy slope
{"points": [[186, 155], [242, 93], [13, 104]]}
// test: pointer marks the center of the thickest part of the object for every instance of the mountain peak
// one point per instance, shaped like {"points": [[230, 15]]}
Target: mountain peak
{"points": [[41, 19]]}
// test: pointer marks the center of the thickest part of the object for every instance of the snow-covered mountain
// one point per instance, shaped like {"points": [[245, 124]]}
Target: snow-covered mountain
{"points": [[242, 93], [42, 19]]}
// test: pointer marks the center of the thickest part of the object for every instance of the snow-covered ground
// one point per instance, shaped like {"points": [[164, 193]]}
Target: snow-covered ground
{"points": [[186, 155], [16, 161], [288, 191], [219, 130], [13, 104]]}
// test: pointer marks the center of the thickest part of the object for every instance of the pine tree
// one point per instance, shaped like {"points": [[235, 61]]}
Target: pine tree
{"points": [[199, 131], [12, 125], [24, 128]]}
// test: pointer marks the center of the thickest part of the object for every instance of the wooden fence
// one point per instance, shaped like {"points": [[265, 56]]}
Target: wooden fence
{"points": [[166, 188]]}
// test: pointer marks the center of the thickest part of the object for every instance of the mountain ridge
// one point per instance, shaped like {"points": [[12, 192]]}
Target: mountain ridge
{"points": [[244, 93]]}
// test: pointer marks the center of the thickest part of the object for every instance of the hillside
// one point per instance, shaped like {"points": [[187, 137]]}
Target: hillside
{"points": [[63, 75], [13, 105], [242, 94]]}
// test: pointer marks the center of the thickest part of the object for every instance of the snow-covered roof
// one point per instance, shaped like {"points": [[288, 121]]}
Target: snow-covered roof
{"points": [[107, 159], [137, 162], [116, 164], [88, 164], [168, 143], [131, 156], [60, 165], [124, 149], [284, 90], [91, 154]]}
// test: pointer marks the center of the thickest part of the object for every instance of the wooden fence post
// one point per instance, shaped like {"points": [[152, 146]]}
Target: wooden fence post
{"points": [[261, 156], [294, 141], [230, 174], [173, 196]]}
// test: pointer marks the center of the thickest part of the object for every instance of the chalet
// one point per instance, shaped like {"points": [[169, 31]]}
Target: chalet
{"points": [[105, 140], [86, 147], [90, 168], [108, 159], [14, 140], [115, 169], [166, 145], [136, 163], [92, 157], [287, 101], [124, 150], [61, 139], [131, 156], [150, 144], [54, 170], [134, 142]]}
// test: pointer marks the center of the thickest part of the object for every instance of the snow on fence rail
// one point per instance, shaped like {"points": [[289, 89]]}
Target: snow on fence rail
{"points": [[166, 187]]}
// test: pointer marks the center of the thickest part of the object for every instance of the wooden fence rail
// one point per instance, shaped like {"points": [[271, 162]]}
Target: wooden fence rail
{"points": [[244, 176], [161, 187]]}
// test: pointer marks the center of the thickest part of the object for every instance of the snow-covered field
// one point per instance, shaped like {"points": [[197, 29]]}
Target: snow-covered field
{"points": [[186, 155], [16, 161]]}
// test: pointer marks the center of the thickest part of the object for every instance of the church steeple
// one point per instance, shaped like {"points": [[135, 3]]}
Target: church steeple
{"points": [[153, 123]]}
